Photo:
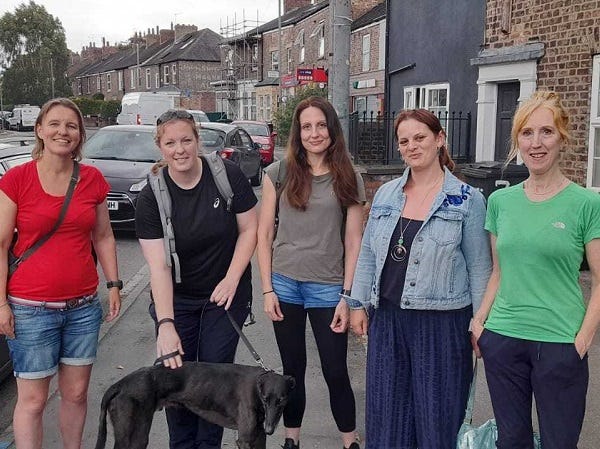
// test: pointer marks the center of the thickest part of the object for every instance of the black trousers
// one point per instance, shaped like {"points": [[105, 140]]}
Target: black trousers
{"points": [[333, 347], [554, 373], [206, 336]]}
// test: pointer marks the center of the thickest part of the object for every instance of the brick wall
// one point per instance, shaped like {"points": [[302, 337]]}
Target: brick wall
{"points": [[356, 44], [289, 5], [570, 33], [359, 7]]}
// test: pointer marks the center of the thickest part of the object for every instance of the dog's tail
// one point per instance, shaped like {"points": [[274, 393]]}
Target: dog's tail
{"points": [[108, 396]]}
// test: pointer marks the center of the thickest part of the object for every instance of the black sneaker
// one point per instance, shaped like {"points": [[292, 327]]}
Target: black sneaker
{"points": [[289, 444], [353, 446]]}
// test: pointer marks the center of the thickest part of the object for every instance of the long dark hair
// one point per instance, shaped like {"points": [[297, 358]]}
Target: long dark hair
{"points": [[433, 123], [298, 178]]}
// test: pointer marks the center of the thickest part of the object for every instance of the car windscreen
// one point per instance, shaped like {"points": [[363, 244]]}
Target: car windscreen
{"points": [[212, 140], [13, 161], [255, 129], [200, 117], [122, 145]]}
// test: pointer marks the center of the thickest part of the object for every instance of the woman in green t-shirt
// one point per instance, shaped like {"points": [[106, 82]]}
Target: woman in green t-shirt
{"points": [[533, 328]]}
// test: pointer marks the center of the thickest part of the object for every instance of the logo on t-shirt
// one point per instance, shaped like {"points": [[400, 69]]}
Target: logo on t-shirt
{"points": [[559, 225], [216, 203]]}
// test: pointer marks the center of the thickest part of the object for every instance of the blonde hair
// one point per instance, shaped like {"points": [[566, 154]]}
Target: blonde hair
{"points": [[38, 149], [160, 130], [540, 99]]}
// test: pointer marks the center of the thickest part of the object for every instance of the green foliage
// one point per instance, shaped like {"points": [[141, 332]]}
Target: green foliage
{"points": [[98, 96], [110, 109], [88, 106], [32, 49], [282, 118]]}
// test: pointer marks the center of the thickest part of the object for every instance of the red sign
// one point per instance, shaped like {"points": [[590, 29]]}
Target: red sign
{"points": [[288, 81], [311, 75]]}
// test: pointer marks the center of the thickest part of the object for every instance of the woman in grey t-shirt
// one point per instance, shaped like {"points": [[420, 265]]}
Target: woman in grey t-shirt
{"points": [[307, 267]]}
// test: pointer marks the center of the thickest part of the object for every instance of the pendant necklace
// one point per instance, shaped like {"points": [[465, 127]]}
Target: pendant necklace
{"points": [[398, 252]]}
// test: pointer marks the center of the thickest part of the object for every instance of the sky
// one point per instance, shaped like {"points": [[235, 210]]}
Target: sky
{"points": [[87, 21]]}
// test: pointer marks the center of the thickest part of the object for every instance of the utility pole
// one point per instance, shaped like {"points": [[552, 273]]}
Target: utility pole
{"points": [[279, 55], [340, 18]]}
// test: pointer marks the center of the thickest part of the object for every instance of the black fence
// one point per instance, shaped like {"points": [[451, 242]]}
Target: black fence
{"points": [[372, 140]]}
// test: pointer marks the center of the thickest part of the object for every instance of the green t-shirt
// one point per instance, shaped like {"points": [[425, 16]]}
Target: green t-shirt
{"points": [[540, 246]]}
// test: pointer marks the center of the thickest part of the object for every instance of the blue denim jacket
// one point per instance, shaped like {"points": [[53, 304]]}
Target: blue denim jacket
{"points": [[450, 260]]}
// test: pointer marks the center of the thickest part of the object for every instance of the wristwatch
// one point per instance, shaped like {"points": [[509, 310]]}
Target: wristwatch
{"points": [[118, 283]]}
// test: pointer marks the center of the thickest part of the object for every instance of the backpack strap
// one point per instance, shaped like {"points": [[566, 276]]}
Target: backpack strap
{"points": [[219, 173], [163, 200], [279, 185]]}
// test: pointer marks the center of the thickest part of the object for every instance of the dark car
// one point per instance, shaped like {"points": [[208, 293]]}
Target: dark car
{"points": [[263, 134], [10, 157], [124, 154], [235, 144]]}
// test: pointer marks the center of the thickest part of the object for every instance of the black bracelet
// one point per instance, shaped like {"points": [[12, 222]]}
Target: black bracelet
{"points": [[165, 320], [268, 291], [345, 292]]}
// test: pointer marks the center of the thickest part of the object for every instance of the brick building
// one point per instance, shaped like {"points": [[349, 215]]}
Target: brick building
{"points": [[549, 44]]}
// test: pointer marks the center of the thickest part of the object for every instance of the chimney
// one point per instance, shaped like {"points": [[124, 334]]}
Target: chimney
{"points": [[290, 5]]}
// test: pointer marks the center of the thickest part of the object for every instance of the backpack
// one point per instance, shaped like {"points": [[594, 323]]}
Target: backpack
{"points": [[163, 199]]}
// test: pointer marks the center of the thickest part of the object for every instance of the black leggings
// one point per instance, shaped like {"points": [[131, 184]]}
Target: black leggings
{"points": [[290, 334]]}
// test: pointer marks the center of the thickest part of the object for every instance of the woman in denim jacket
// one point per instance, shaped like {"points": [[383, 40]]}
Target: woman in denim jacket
{"points": [[422, 270]]}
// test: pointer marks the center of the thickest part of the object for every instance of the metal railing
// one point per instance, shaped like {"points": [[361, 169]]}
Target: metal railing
{"points": [[372, 141]]}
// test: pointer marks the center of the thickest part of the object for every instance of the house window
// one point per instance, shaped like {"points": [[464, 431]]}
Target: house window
{"points": [[148, 79], [433, 97], [108, 82], [157, 80], [120, 80], [132, 78], [173, 74], [275, 60], [300, 43], [322, 42], [366, 52], [593, 169], [79, 87], [98, 82], [254, 57], [289, 60], [166, 78]]}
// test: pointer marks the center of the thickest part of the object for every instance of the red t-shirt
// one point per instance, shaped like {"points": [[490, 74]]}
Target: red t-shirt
{"points": [[63, 267]]}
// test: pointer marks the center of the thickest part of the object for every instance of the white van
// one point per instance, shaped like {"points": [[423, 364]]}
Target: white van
{"points": [[199, 116], [23, 117], [143, 108]]}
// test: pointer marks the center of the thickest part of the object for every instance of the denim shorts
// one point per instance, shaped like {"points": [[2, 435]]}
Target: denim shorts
{"points": [[307, 294], [46, 337]]}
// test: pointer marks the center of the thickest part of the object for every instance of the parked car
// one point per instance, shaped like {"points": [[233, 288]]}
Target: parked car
{"points": [[235, 144], [263, 134], [23, 117], [124, 154], [10, 157], [199, 116]]}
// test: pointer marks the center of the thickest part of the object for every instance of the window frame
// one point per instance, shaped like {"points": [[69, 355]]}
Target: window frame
{"points": [[418, 97], [366, 53], [594, 132]]}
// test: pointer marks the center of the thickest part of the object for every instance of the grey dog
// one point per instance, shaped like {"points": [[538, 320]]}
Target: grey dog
{"points": [[245, 398]]}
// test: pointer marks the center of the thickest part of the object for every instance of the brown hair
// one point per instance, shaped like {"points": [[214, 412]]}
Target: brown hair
{"points": [[539, 99], [433, 123], [38, 149], [298, 178]]}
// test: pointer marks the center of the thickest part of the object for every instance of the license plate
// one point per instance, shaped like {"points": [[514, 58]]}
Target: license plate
{"points": [[112, 205]]}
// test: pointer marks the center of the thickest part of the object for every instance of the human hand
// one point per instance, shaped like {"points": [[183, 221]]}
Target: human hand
{"points": [[168, 342], [581, 345], [359, 322], [271, 307], [114, 304], [476, 331], [341, 317], [224, 292], [7, 321]]}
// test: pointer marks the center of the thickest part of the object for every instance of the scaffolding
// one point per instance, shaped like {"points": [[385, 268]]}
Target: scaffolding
{"points": [[241, 67]]}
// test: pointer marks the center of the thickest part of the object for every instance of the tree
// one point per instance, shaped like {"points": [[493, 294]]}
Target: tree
{"points": [[33, 54], [282, 118]]}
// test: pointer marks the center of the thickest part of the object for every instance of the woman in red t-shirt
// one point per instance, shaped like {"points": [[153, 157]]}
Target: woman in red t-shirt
{"points": [[49, 308]]}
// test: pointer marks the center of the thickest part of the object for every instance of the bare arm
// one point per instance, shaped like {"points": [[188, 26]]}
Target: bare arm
{"points": [[266, 235], [247, 223], [591, 320], [161, 284], [106, 249], [8, 216], [352, 239]]}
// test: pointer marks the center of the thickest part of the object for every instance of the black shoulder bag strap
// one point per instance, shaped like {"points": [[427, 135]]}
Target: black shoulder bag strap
{"points": [[63, 211]]}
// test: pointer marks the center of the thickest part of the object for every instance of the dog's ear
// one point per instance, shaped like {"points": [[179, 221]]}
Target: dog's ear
{"points": [[290, 381]]}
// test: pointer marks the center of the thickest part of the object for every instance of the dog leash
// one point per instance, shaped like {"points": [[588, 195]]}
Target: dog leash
{"points": [[257, 357]]}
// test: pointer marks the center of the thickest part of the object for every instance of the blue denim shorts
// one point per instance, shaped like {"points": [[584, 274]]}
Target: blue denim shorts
{"points": [[46, 337], [307, 294]]}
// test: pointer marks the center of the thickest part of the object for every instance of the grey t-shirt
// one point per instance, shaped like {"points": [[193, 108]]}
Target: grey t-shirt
{"points": [[308, 246]]}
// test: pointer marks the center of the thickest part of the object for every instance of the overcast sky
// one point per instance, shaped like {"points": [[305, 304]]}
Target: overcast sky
{"points": [[87, 21]]}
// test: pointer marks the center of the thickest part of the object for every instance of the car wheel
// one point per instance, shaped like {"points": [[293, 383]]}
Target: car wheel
{"points": [[256, 180]]}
